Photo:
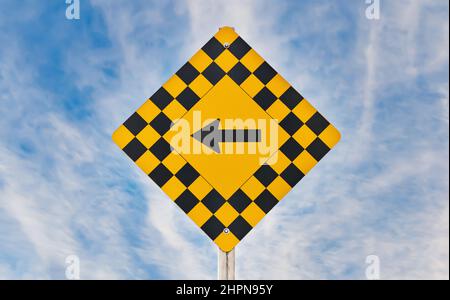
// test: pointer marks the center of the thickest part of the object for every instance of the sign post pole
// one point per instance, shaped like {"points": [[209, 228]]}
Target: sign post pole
{"points": [[226, 265]]}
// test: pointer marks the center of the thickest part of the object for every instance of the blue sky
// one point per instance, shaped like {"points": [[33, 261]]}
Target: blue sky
{"points": [[65, 189]]}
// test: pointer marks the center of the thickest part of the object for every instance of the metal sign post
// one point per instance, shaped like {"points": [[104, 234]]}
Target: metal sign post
{"points": [[226, 265]]}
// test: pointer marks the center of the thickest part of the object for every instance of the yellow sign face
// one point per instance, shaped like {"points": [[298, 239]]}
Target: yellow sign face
{"points": [[226, 138]]}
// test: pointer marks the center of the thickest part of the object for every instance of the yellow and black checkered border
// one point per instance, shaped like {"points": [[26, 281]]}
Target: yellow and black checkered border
{"points": [[311, 136]]}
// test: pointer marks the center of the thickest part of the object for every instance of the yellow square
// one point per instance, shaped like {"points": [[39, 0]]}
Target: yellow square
{"points": [[278, 110], [305, 162], [200, 85], [174, 110], [227, 241], [200, 188], [200, 214], [148, 111], [148, 136], [226, 214], [225, 101], [304, 110], [304, 136], [174, 188], [330, 136], [279, 188], [226, 35], [122, 136], [279, 162], [226, 60], [174, 162], [174, 85], [200, 60], [278, 85], [283, 136], [252, 188], [253, 214], [252, 85], [252, 60], [147, 162]]}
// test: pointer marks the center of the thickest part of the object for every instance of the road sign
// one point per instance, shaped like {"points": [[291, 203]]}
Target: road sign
{"points": [[226, 138]]}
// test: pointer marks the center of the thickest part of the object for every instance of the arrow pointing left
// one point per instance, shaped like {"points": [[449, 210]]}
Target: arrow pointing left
{"points": [[211, 135]]}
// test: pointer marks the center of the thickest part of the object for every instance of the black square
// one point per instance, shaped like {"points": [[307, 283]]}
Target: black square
{"points": [[187, 175], [186, 201], [161, 98], [239, 73], [188, 73], [213, 201], [291, 149], [291, 123], [134, 149], [161, 123], [239, 48], [265, 73], [161, 149], [135, 123], [160, 175], [291, 98], [188, 98], [240, 227], [317, 123], [266, 175], [239, 201], [213, 227], [213, 48], [317, 149], [265, 98], [213, 73], [292, 175], [266, 201]]}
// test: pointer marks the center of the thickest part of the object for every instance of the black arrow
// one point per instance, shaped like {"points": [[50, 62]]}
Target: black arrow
{"points": [[211, 135]]}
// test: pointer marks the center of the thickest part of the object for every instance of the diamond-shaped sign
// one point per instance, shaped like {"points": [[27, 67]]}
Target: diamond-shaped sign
{"points": [[226, 138]]}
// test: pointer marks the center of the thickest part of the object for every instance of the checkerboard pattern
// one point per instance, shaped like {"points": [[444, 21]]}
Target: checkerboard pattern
{"points": [[311, 136]]}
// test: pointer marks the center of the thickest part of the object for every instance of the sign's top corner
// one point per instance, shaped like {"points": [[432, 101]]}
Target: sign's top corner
{"points": [[226, 35], [226, 28]]}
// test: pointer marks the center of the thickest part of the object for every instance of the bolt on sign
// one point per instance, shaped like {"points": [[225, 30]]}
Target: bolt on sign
{"points": [[226, 138]]}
